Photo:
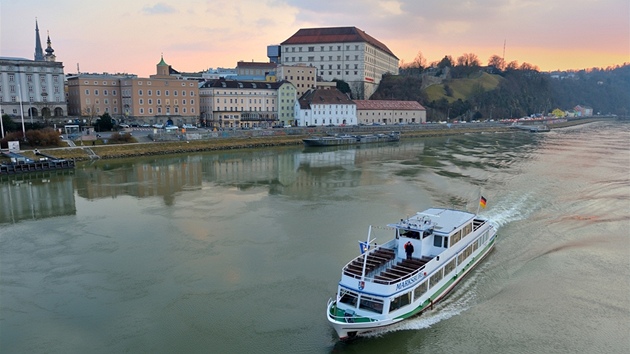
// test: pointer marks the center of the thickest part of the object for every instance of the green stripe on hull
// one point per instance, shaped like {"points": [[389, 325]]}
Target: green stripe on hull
{"points": [[443, 289]]}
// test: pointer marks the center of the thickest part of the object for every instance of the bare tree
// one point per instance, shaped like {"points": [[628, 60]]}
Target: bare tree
{"points": [[497, 62], [90, 114], [513, 65], [528, 67], [468, 59], [420, 61]]}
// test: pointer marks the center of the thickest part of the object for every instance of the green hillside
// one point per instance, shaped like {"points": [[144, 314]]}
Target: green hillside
{"points": [[463, 88]]}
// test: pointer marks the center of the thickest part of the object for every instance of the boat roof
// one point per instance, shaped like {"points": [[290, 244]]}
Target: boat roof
{"points": [[442, 220]]}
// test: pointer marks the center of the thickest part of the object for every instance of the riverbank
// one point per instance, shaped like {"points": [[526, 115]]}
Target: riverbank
{"points": [[81, 153]]}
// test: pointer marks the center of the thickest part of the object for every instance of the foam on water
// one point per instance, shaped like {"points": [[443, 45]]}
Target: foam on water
{"points": [[459, 300], [514, 207]]}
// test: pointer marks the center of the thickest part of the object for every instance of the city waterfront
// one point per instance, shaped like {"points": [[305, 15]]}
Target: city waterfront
{"points": [[238, 251]]}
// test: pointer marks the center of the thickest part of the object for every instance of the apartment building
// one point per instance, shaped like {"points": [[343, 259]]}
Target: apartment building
{"points": [[302, 76], [157, 99], [344, 53], [325, 107], [390, 112], [246, 104], [92, 95]]}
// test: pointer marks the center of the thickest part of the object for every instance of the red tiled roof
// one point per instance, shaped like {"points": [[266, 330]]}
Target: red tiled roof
{"points": [[385, 104], [335, 35], [323, 96]]}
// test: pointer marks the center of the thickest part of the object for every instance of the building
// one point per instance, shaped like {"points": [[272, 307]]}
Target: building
{"points": [[325, 107], [246, 104], [390, 112], [92, 95], [33, 88], [303, 77], [159, 99], [343, 53], [583, 111], [256, 70]]}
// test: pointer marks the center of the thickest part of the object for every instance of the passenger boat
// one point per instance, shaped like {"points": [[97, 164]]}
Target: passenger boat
{"points": [[385, 285], [351, 139]]}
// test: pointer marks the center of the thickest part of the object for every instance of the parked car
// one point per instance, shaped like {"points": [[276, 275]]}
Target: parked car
{"points": [[189, 126], [124, 126], [158, 125]]}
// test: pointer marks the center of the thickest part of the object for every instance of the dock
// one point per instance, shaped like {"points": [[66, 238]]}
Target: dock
{"points": [[22, 164]]}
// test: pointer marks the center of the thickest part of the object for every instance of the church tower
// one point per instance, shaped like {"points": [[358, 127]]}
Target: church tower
{"points": [[39, 53], [163, 69], [50, 56]]}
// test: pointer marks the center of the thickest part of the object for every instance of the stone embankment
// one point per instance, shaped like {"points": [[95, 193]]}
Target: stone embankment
{"points": [[182, 146]]}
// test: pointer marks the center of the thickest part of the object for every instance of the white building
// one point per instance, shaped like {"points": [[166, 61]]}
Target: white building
{"points": [[33, 88], [390, 112], [325, 107], [343, 53]]}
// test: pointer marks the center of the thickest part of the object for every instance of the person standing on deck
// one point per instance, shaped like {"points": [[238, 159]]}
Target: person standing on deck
{"points": [[409, 249]]}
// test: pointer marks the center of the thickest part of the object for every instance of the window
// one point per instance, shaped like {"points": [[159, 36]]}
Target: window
{"points": [[400, 301], [348, 297], [372, 304], [420, 290], [435, 278], [437, 240]]}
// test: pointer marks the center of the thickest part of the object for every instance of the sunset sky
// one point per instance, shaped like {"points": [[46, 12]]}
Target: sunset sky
{"points": [[194, 35]]}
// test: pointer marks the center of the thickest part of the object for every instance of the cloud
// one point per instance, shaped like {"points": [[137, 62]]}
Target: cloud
{"points": [[158, 9]]}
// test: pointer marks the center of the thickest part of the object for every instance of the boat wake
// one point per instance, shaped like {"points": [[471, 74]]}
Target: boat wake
{"points": [[460, 300], [510, 209]]}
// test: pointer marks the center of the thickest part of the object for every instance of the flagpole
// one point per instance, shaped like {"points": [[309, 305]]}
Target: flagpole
{"points": [[365, 253], [478, 202]]}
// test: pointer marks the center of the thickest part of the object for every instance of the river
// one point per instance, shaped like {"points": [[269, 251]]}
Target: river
{"points": [[239, 251]]}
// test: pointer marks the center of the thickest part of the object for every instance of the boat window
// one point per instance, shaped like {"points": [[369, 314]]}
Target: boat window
{"points": [[398, 302], [420, 290], [445, 242], [410, 234], [437, 241], [435, 278], [348, 297], [371, 304], [449, 266], [460, 258]]}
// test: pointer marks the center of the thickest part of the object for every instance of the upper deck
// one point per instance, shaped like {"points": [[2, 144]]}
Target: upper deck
{"points": [[434, 233]]}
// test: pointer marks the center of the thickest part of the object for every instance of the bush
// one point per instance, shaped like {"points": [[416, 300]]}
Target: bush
{"points": [[43, 137], [117, 138]]}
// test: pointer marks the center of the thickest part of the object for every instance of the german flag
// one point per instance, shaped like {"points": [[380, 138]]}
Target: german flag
{"points": [[482, 202]]}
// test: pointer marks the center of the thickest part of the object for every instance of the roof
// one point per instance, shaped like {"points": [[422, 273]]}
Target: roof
{"points": [[335, 35], [253, 64], [235, 84], [323, 96], [386, 104]]}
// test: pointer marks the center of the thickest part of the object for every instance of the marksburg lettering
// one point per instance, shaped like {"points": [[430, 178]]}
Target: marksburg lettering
{"points": [[407, 282]]}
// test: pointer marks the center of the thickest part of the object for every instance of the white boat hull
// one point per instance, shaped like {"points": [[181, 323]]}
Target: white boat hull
{"points": [[348, 330]]}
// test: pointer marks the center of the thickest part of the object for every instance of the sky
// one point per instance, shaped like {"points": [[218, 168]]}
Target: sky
{"points": [[122, 36]]}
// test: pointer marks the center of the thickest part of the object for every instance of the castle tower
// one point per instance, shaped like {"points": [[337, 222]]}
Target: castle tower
{"points": [[50, 56], [39, 53]]}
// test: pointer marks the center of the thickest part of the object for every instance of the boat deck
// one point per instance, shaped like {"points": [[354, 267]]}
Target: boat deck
{"points": [[382, 267]]}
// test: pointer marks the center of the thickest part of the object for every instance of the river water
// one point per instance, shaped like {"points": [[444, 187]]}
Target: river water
{"points": [[239, 251]]}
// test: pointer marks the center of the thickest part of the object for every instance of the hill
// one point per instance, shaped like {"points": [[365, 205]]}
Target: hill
{"points": [[488, 93]]}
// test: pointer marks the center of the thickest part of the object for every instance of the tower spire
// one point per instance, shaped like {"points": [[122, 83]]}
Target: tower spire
{"points": [[39, 53], [50, 56]]}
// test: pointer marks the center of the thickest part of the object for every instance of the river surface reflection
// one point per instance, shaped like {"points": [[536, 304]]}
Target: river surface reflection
{"points": [[238, 251]]}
